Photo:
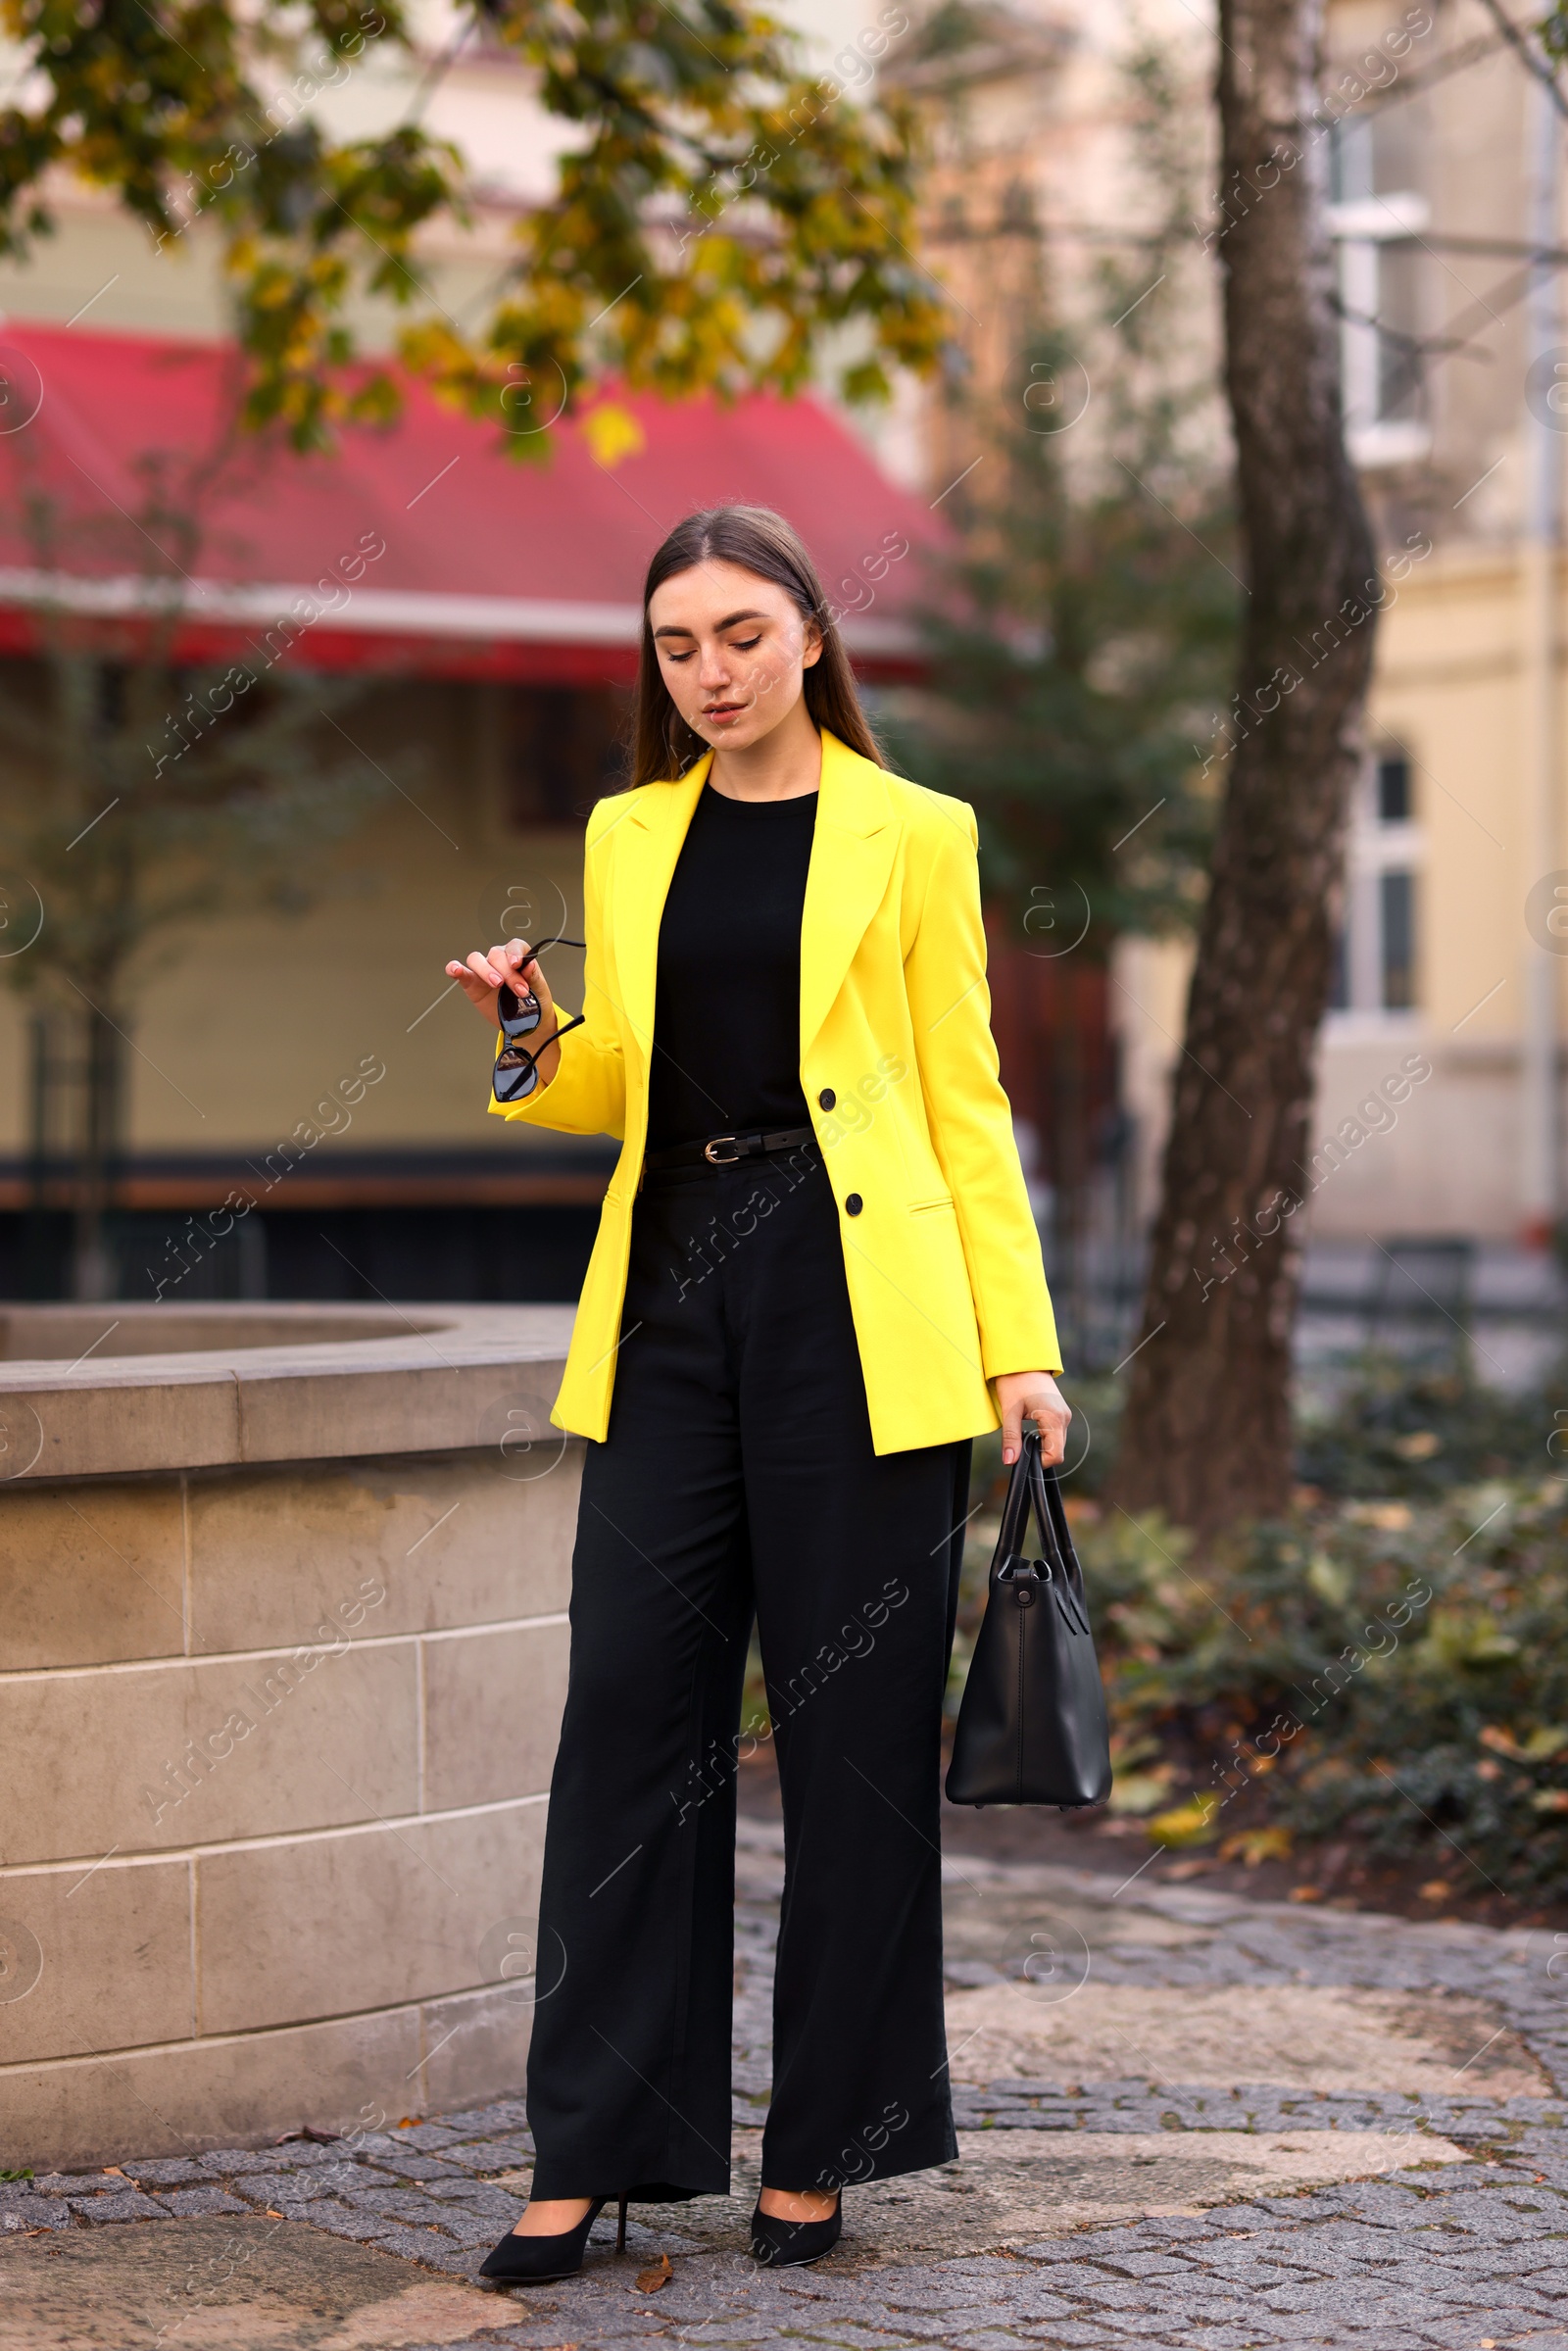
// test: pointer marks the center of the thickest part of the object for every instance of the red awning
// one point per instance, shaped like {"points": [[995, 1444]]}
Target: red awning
{"points": [[423, 546]]}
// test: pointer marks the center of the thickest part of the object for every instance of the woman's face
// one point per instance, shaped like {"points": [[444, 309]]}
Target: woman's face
{"points": [[733, 650]]}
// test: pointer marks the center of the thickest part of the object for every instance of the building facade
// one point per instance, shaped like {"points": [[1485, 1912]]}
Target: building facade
{"points": [[1444, 157]]}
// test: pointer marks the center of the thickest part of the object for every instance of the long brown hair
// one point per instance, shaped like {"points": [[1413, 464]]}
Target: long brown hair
{"points": [[763, 543]]}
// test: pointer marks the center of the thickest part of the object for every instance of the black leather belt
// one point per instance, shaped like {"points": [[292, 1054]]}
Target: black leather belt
{"points": [[728, 1151]]}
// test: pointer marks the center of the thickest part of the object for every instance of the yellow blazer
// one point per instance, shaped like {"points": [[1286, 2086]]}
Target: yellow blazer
{"points": [[899, 1073]]}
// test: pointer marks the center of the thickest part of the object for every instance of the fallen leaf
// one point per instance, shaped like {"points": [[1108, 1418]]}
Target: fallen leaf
{"points": [[1255, 1845], [1391, 1517], [1436, 1889], [272, 2214], [1185, 1824], [410, 2122], [111, 2171], [1307, 1893], [649, 2282]]}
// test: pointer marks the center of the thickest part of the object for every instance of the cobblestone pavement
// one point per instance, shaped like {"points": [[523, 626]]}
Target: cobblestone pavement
{"points": [[1394, 2174]]}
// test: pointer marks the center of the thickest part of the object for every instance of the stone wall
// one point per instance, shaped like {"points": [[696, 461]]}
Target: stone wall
{"points": [[277, 1726]]}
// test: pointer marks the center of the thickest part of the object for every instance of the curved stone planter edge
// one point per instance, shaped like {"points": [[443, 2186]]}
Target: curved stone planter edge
{"points": [[448, 1386]]}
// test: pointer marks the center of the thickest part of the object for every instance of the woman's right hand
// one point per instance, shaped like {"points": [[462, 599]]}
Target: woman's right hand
{"points": [[516, 966]]}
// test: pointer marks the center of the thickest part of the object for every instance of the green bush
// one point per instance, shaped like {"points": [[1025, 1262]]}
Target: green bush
{"points": [[1396, 1431], [1388, 1670]]}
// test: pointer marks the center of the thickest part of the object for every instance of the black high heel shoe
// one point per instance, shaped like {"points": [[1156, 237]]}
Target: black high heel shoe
{"points": [[780, 2244], [541, 2260]]}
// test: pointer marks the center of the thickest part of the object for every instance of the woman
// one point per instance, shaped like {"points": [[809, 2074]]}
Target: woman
{"points": [[816, 1278]]}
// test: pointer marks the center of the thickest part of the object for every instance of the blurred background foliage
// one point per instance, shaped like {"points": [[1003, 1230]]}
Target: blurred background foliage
{"points": [[1380, 1673], [1085, 632]]}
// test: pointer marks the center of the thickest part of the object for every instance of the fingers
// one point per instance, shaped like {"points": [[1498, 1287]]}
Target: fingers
{"points": [[482, 977], [1031, 1396], [518, 967], [1052, 1422], [479, 983], [1047, 1408]]}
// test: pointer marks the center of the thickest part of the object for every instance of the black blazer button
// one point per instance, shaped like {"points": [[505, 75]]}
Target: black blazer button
{"points": [[854, 1204], [827, 1098]]}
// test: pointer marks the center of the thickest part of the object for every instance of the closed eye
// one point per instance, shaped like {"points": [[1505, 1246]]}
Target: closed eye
{"points": [[736, 645]]}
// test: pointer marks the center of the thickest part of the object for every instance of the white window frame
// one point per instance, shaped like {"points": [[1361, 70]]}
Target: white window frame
{"points": [[1362, 224], [1374, 848]]}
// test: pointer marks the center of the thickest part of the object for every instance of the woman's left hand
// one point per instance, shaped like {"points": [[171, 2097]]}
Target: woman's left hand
{"points": [[1034, 1395]]}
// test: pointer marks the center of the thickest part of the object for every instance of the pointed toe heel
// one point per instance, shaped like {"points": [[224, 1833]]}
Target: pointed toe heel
{"points": [[542, 2260], [779, 2244]]}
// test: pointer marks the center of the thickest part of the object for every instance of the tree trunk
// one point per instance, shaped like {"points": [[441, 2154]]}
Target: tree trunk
{"points": [[1207, 1432], [94, 1269]]}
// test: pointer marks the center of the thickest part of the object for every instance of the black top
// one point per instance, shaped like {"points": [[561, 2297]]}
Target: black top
{"points": [[727, 1012]]}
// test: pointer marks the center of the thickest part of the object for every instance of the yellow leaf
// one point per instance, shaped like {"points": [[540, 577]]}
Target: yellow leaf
{"points": [[1139, 1791], [1255, 1845], [1329, 1579], [611, 434], [1185, 1824]]}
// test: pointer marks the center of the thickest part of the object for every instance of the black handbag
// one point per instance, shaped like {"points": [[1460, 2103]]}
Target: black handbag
{"points": [[1032, 1728]]}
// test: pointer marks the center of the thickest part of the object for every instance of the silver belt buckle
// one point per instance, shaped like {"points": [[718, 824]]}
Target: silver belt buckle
{"points": [[710, 1153]]}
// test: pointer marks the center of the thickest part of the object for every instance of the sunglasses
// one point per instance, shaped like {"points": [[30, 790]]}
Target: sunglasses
{"points": [[515, 1073]]}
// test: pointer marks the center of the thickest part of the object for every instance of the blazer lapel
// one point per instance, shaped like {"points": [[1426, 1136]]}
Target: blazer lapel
{"points": [[853, 848], [855, 840], [653, 830]]}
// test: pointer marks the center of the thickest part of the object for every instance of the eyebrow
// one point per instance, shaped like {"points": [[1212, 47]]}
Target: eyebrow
{"points": [[729, 620]]}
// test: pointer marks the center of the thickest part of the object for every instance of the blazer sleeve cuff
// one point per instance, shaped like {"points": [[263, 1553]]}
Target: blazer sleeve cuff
{"points": [[557, 1094], [1031, 1345]]}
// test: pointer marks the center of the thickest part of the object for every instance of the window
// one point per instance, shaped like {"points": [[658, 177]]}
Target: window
{"points": [[1375, 219], [562, 748], [1376, 953], [1396, 961], [1393, 788]]}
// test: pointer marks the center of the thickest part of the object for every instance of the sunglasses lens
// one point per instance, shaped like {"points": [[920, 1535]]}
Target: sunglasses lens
{"points": [[523, 1020], [513, 1077]]}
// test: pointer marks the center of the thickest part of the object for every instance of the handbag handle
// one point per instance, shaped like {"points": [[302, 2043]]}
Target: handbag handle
{"points": [[1014, 1529], [1062, 1563], [1035, 1488], [1026, 1492], [1052, 1513]]}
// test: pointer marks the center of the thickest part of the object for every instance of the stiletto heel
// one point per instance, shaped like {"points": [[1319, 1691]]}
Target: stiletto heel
{"points": [[779, 2244], [541, 2260], [620, 2233]]}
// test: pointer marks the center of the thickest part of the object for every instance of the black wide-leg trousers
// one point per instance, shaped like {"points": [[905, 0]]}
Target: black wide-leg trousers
{"points": [[737, 1477]]}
